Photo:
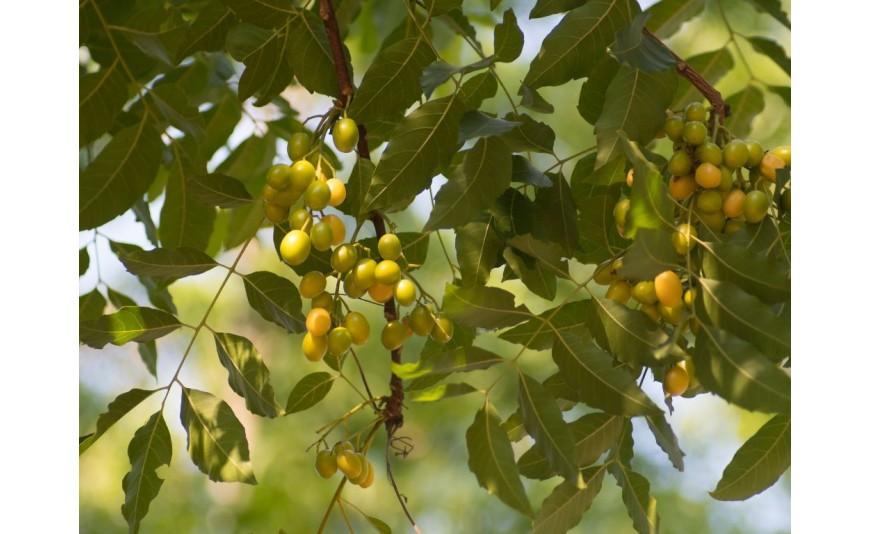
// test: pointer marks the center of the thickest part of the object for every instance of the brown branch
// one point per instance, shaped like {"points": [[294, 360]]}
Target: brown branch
{"points": [[686, 71]]}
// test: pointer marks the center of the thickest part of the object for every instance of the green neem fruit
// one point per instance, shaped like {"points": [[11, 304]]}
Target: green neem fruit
{"points": [[405, 292], [674, 128], [619, 291], [620, 212], [727, 179], [339, 341], [301, 175], [756, 152], [364, 272], [755, 206], [736, 154], [345, 135], [645, 292], [325, 464], [344, 258], [393, 335], [442, 331], [321, 236], [323, 300], [713, 221], [709, 201], [317, 195], [358, 326], [295, 247], [278, 176], [390, 247], [313, 347], [683, 239], [695, 132], [784, 152], [680, 163], [312, 284], [269, 193], [300, 219], [708, 152], [732, 225], [298, 145], [422, 321], [388, 272], [287, 197], [695, 111], [351, 288], [275, 213]]}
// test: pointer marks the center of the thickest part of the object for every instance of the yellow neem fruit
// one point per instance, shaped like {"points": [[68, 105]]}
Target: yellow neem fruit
{"points": [[312, 284], [406, 292], [651, 311], [364, 272], [676, 381], [358, 326], [295, 247], [338, 229], [393, 335], [769, 164], [671, 314], [389, 247], [318, 322], [314, 347], [645, 292], [337, 191], [363, 472], [325, 464], [669, 290], [683, 239], [323, 301], [388, 272], [349, 463], [619, 291], [370, 478], [381, 292]]}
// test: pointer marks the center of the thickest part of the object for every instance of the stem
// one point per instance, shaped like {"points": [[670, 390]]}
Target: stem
{"points": [[396, 486]]}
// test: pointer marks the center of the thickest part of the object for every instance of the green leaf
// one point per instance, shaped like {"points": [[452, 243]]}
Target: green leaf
{"points": [[119, 175], [132, 323], [220, 122], [150, 448], [378, 525], [265, 13], [155, 31], [102, 95], [513, 213], [309, 391], [276, 299], [578, 42], [218, 190], [590, 371], [248, 375], [745, 105], [392, 83], [91, 305], [557, 215], [726, 306], [118, 408], [533, 100], [216, 439], [172, 102], [712, 66], [635, 103], [508, 38], [157, 293], [524, 172], [425, 140], [311, 57], [739, 373], [596, 222], [531, 135], [483, 307], [148, 354], [637, 50], [651, 253], [447, 361], [753, 273], [477, 124], [548, 255], [772, 8], [758, 463], [357, 185], [415, 246], [441, 7], [593, 434], [538, 334], [773, 50], [564, 507], [479, 88], [442, 391], [208, 32], [640, 504], [84, 260], [474, 186], [438, 72], [668, 16], [666, 439], [267, 58], [630, 335], [491, 459], [142, 211], [184, 221], [478, 246], [651, 206], [544, 8], [538, 280], [782, 91], [594, 89], [543, 421], [168, 263]]}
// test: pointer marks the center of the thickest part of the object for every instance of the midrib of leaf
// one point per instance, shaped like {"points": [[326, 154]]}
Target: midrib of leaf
{"points": [[314, 37], [737, 316], [489, 442], [587, 439], [626, 113], [569, 502], [144, 463], [210, 435], [499, 310], [541, 276], [391, 78], [475, 176], [142, 263], [728, 266], [228, 13], [734, 364], [221, 192], [265, 295], [124, 160], [310, 392], [482, 245], [629, 487], [543, 427], [763, 457], [136, 31], [107, 71], [625, 328], [245, 378]]}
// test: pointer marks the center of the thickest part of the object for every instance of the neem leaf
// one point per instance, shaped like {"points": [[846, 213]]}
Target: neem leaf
{"points": [[150, 448], [508, 38], [116, 409], [168, 263], [276, 299], [131, 323], [248, 374], [219, 190], [309, 391], [483, 307], [564, 507], [758, 463]]}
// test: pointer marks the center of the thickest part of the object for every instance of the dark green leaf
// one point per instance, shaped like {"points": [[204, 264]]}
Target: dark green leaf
{"points": [[524, 172], [265, 13], [772, 8], [218, 190], [392, 83], [640, 504], [538, 334], [478, 245], [513, 213], [491, 459], [438, 72], [630, 335], [91, 305], [651, 253], [739, 373], [758, 463], [557, 215], [727, 306], [101, 96], [357, 186], [508, 38], [483, 307], [477, 124], [116, 409], [276, 299], [169, 263], [666, 439], [565, 506], [547, 254], [538, 280], [440, 7], [415, 246], [782, 91], [594, 89], [651, 206], [150, 448], [637, 50], [593, 435], [543, 421], [484, 174], [578, 42], [155, 31], [120, 174], [667, 16], [596, 220], [589, 370], [309, 391], [248, 375], [446, 361], [216, 439], [753, 273], [529, 136], [266, 55], [311, 57], [148, 354], [379, 525], [172, 102], [745, 105], [442, 391], [184, 221], [773, 50], [127, 324], [544, 8], [479, 88], [220, 121], [84, 260], [712, 66], [208, 32], [425, 140], [142, 211], [534, 101], [157, 293], [635, 103]]}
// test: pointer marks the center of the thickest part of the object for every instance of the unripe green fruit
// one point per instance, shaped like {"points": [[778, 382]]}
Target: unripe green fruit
{"points": [[784, 152], [755, 206], [442, 331], [339, 341], [325, 464], [389, 247], [756, 152], [323, 301], [393, 335], [342, 446], [275, 213], [620, 212], [680, 163], [733, 225], [405, 292], [709, 201], [674, 128], [298, 145], [695, 111], [351, 288], [736, 154], [345, 135], [317, 195], [295, 247], [278, 176], [421, 320], [321, 236], [270, 194], [619, 291], [645, 292], [300, 219], [358, 326], [388, 272], [727, 179], [343, 258], [312, 284], [287, 197], [301, 175], [695, 132], [713, 221], [364, 272], [709, 152]]}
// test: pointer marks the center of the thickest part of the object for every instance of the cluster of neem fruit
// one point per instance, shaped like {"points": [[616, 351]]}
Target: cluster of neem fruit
{"points": [[355, 466], [720, 182]]}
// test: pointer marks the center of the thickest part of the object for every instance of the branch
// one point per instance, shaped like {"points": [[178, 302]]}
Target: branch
{"points": [[687, 72]]}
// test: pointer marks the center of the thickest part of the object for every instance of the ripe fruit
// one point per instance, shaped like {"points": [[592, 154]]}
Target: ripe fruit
{"points": [[619, 291], [406, 292], [709, 201], [755, 206], [389, 247], [318, 322], [364, 272], [629, 178], [674, 128], [300, 219], [358, 327], [345, 135], [337, 226], [676, 381], [683, 239], [339, 341], [312, 284], [337, 191], [736, 154], [381, 292], [784, 152], [695, 111], [349, 463], [708, 175], [756, 152], [317, 195], [607, 273], [388, 272], [694, 132], [681, 187], [370, 478], [298, 145], [680, 163], [364, 471], [393, 335], [709, 153], [314, 347], [275, 213], [321, 236], [732, 204], [325, 464], [620, 212], [690, 296], [323, 301], [343, 258], [644, 292], [769, 164], [278, 176], [295, 247], [301, 174], [671, 314], [422, 321], [442, 331], [669, 290]]}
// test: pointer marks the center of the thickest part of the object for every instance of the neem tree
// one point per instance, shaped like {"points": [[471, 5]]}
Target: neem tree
{"points": [[693, 243]]}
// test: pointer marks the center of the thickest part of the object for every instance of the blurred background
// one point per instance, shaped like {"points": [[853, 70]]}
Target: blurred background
{"points": [[442, 494]]}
